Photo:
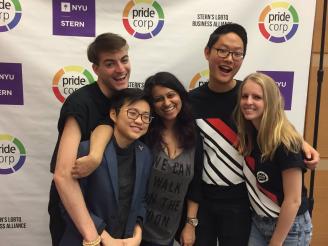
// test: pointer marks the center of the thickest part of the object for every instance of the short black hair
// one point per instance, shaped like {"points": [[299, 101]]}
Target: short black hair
{"points": [[128, 95], [106, 42], [227, 28]]}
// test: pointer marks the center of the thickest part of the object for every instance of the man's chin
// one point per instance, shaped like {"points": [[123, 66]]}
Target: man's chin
{"points": [[225, 78], [121, 86], [134, 136]]}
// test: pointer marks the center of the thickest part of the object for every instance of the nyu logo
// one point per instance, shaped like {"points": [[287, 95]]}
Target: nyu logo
{"points": [[7, 76], [285, 82], [69, 79], [74, 17], [142, 19], [10, 14], [67, 7], [12, 154], [11, 84], [199, 79], [278, 22]]}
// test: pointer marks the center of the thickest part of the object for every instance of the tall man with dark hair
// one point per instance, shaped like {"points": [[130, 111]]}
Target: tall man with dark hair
{"points": [[80, 114], [224, 213]]}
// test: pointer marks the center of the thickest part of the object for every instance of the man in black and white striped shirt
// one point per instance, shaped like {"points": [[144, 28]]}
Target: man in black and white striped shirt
{"points": [[224, 213]]}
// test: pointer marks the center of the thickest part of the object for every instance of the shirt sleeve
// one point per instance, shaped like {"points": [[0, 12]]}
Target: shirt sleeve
{"points": [[75, 108], [287, 159], [106, 121], [195, 187]]}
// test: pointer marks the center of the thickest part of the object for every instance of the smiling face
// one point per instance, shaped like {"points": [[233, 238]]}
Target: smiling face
{"points": [[167, 103], [113, 71], [252, 102], [127, 130], [223, 70]]}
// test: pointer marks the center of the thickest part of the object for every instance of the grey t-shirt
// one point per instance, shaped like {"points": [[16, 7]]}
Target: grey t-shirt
{"points": [[168, 186]]}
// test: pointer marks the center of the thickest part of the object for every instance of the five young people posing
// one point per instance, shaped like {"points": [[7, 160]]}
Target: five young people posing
{"points": [[223, 213]]}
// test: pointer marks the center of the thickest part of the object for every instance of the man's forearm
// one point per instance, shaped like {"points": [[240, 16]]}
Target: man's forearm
{"points": [[73, 201], [99, 140]]}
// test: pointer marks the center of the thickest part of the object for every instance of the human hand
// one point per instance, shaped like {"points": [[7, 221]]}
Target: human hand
{"points": [[132, 241], [136, 239], [84, 166], [112, 242], [312, 157], [187, 237], [107, 240]]}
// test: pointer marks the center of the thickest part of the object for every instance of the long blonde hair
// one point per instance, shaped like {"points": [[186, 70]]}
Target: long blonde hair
{"points": [[275, 128]]}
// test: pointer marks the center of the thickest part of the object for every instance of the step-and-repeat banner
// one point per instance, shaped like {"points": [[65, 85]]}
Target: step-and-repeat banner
{"points": [[43, 60]]}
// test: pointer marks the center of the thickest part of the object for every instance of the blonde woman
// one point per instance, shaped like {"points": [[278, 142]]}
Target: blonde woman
{"points": [[275, 166]]}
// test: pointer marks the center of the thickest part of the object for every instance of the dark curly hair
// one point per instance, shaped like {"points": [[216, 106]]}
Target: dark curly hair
{"points": [[184, 127]]}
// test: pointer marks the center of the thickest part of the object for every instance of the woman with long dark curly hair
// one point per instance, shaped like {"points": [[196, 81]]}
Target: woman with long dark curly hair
{"points": [[172, 138]]}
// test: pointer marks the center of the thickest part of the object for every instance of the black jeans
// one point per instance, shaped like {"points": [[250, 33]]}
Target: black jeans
{"points": [[56, 224], [226, 221]]}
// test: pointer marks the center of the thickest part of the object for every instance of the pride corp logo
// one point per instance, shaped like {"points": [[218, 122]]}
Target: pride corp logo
{"points": [[199, 79], [278, 22], [69, 79], [143, 19], [10, 14], [12, 154]]}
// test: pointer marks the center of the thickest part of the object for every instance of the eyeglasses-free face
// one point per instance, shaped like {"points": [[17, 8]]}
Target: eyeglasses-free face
{"points": [[133, 114], [224, 53], [167, 103]]}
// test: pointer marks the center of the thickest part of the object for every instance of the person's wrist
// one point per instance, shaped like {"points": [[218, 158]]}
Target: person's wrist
{"points": [[94, 242], [95, 158], [90, 235], [105, 235], [189, 228], [193, 221]]}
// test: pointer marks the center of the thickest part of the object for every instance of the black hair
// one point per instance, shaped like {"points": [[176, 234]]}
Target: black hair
{"points": [[224, 29], [128, 95], [184, 127], [106, 42]]}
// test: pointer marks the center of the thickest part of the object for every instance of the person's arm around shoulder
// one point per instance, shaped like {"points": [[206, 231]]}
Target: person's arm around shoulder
{"points": [[292, 188], [312, 156], [68, 187], [99, 139]]}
